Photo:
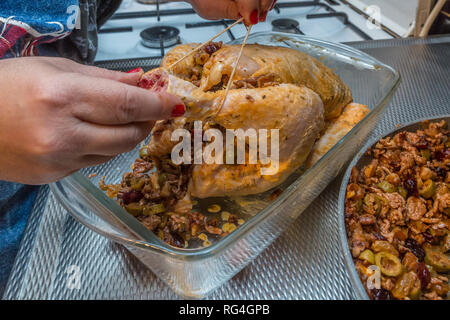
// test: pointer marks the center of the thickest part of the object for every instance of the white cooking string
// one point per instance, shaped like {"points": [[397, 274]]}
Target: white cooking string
{"points": [[230, 81], [205, 43]]}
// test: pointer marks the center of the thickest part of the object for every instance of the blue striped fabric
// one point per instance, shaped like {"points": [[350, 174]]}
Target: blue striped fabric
{"points": [[16, 201]]}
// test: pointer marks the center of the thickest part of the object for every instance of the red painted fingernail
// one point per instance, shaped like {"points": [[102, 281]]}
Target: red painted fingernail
{"points": [[135, 70], [273, 4], [178, 110], [254, 17], [263, 17]]}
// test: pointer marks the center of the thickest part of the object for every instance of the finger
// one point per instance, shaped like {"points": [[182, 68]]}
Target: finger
{"points": [[272, 5], [109, 102], [265, 7], [112, 140], [71, 166], [250, 10], [132, 77], [92, 160]]}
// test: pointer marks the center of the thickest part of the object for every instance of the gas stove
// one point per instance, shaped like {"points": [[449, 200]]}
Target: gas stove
{"points": [[148, 30]]}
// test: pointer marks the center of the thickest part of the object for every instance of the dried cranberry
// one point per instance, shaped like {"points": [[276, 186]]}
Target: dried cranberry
{"points": [[149, 81], [415, 248], [210, 48], [424, 275], [146, 83], [421, 145], [428, 237], [381, 294], [411, 187], [132, 196], [440, 155], [441, 172]]}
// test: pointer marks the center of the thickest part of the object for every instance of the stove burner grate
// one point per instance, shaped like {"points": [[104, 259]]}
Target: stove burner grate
{"points": [[160, 37], [286, 25]]}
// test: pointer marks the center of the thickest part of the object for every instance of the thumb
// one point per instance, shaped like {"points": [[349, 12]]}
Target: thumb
{"points": [[130, 77], [217, 9], [108, 102]]}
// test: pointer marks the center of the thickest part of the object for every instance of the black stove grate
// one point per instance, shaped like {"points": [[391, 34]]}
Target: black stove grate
{"points": [[286, 25]]}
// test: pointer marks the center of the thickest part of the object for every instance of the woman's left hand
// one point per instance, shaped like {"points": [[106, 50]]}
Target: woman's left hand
{"points": [[253, 11]]}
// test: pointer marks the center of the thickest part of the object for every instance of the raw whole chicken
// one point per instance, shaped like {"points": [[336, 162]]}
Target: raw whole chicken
{"points": [[265, 65], [273, 88]]}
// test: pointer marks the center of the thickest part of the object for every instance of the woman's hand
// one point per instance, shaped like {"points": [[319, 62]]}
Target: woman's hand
{"points": [[253, 11], [57, 116]]}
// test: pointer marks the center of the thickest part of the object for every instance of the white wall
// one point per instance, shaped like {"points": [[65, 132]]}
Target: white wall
{"points": [[397, 15]]}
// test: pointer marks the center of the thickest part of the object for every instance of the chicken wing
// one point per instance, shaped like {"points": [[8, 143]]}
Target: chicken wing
{"points": [[282, 65], [297, 112], [274, 88], [336, 130]]}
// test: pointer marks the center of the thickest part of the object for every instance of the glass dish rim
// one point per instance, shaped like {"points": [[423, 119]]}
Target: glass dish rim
{"points": [[345, 248], [201, 253]]}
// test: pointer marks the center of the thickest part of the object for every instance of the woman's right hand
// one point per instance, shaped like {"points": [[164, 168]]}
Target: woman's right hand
{"points": [[57, 116]]}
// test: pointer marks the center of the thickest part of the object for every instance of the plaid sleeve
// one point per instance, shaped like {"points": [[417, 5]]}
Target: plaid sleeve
{"points": [[17, 39], [26, 24], [11, 37]]}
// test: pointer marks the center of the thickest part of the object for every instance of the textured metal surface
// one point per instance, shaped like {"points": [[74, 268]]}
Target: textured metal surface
{"points": [[127, 64], [305, 262]]}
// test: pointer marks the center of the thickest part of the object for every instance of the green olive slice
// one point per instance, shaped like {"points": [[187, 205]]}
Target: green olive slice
{"points": [[428, 189], [389, 264], [372, 203], [402, 191], [426, 154], [153, 209], [415, 291], [134, 208], [438, 260], [368, 256], [386, 187], [407, 285], [137, 184]]}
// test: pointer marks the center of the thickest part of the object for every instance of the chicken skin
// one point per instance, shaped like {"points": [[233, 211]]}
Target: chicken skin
{"points": [[296, 111], [282, 65], [273, 88]]}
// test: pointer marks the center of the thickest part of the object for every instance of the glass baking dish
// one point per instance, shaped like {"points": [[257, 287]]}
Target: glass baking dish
{"points": [[195, 272]]}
